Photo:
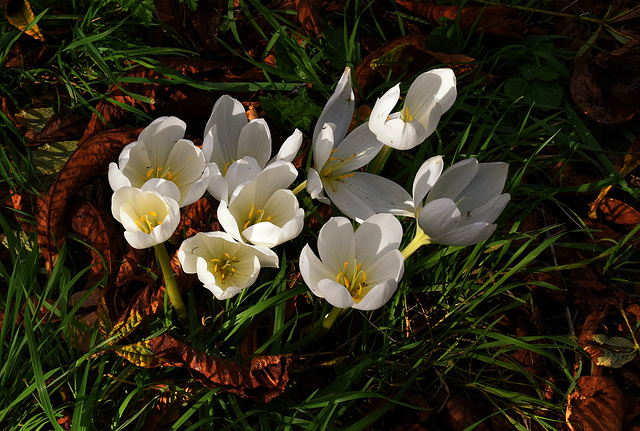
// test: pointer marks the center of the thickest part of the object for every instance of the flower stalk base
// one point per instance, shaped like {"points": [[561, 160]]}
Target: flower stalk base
{"points": [[170, 282], [418, 241]]}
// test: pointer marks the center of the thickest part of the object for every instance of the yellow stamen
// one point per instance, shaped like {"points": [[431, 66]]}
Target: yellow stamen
{"points": [[149, 173], [152, 213]]}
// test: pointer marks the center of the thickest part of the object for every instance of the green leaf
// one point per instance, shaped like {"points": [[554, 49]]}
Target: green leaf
{"points": [[531, 71], [299, 112]]}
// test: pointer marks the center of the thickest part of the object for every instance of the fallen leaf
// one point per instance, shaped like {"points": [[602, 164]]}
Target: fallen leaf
{"points": [[92, 158], [264, 378], [413, 59], [309, 16], [595, 405], [499, 20], [624, 165], [97, 229], [619, 212], [605, 86], [20, 15]]}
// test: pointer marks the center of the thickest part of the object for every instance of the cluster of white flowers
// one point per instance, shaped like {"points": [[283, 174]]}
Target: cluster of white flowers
{"points": [[162, 172]]}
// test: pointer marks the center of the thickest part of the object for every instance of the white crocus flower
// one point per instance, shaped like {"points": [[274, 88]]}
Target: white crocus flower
{"points": [[430, 96], [239, 149], [358, 195], [223, 265], [337, 158], [462, 203], [263, 212], [359, 270], [160, 152], [148, 216]]}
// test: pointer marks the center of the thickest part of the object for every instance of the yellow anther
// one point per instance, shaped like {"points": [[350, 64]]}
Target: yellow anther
{"points": [[152, 213], [149, 173], [347, 175], [169, 176], [345, 265]]}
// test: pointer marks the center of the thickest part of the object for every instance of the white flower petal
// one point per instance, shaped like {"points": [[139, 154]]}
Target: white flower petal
{"points": [[290, 147], [255, 141], [223, 129], [454, 180], [356, 150], [466, 235], [314, 184], [264, 234], [197, 189], [487, 184], [312, 270], [323, 146], [117, 179], [159, 137], [425, 178], [375, 237], [241, 171], [377, 296], [439, 217], [363, 194], [389, 266], [435, 85], [402, 135], [382, 108], [217, 187], [227, 221], [163, 187], [488, 212], [447, 92], [335, 293], [336, 243], [339, 108]]}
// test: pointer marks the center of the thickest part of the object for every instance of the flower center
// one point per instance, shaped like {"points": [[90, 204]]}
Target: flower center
{"points": [[148, 221], [225, 266], [405, 115], [255, 217], [159, 172], [334, 162], [355, 281]]}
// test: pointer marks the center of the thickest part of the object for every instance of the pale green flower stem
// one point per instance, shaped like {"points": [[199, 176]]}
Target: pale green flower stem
{"points": [[418, 241], [300, 188], [376, 165], [326, 323], [170, 282]]}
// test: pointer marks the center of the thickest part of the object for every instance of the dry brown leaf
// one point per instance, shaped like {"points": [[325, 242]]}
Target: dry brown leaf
{"points": [[198, 27], [619, 212], [92, 158], [309, 16], [497, 20], [413, 60], [625, 165], [595, 405], [96, 227], [199, 217], [264, 378], [605, 86], [57, 128], [20, 15]]}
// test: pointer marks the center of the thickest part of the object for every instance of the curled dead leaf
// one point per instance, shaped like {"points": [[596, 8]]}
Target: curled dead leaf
{"points": [[90, 159], [264, 378]]}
